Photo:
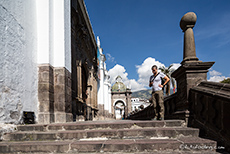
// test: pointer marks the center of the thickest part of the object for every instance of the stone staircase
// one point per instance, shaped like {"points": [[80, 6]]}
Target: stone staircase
{"points": [[121, 136]]}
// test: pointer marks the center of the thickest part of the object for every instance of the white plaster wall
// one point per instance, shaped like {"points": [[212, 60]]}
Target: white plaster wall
{"points": [[18, 69]]}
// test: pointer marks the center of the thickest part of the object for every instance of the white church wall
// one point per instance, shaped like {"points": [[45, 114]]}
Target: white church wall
{"points": [[18, 69]]}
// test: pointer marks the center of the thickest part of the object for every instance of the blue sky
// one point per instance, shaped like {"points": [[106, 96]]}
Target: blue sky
{"points": [[134, 34]]}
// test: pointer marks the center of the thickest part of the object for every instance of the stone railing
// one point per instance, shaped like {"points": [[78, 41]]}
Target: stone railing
{"points": [[210, 111], [144, 114], [171, 108], [148, 112]]}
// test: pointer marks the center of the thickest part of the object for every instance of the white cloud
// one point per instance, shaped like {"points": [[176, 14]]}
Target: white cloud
{"points": [[130, 83], [216, 76], [118, 70], [176, 66], [135, 86], [215, 73], [110, 58], [143, 70]]}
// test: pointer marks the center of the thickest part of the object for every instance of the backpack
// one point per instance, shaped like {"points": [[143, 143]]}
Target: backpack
{"points": [[162, 82]]}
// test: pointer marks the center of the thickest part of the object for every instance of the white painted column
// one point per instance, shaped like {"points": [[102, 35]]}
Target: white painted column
{"points": [[62, 33], [101, 74], [110, 99], [101, 94], [54, 33], [106, 90], [106, 95], [43, 43]]}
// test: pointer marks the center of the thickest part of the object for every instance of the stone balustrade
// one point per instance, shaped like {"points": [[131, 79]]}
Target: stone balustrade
{"points": [[209, 105], [144, 114], [209, 111]]}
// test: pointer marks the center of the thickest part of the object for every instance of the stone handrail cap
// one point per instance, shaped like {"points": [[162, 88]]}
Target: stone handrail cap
{"points": [[188, 20]]}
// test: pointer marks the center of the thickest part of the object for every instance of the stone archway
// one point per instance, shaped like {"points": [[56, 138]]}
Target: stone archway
{"points": [[119, 110]]}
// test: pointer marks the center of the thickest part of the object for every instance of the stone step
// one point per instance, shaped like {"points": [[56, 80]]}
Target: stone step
{"points": [[124, 136], [155, 152], [134, 133], [113, 124], [183, 144]]}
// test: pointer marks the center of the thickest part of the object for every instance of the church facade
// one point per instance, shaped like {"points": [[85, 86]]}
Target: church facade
{"points": [[49, 62], [121, 99]]}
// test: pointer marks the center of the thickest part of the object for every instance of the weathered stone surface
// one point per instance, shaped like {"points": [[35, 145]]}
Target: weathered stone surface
{"points": [[62, 95], [209, 106], [133, 133], [124, 136], [45, 94], [61, 117], [84, 63], [187, 23], [114, 124], [45, 118]]}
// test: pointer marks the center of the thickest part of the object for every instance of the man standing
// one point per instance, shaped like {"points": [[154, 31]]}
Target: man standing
{"points": [[157, 92]]}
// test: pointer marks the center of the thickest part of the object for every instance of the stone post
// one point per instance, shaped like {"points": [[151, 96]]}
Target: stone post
{"points": [[192, 71], [45, 94], [62, 95], [79, 80], [187, 23], [128, 100]]}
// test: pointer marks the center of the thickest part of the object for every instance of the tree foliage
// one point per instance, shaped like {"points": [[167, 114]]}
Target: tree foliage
{"points": [[226, 81], [168, 71]]}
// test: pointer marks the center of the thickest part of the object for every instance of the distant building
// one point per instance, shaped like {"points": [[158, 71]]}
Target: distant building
{"points": [[121, 99], [138, 103]]}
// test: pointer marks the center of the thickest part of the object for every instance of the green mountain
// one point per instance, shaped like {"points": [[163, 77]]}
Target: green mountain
{"points": [[144, 94]]}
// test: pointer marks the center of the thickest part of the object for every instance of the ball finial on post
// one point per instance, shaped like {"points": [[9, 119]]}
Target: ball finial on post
{"points": [[187, 23]]}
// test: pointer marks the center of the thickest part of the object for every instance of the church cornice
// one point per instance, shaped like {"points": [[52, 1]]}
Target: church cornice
{"points": [[87, 21]]}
